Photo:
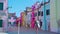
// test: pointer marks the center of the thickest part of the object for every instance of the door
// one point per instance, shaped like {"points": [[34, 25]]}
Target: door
{"points": [[0, 23]]}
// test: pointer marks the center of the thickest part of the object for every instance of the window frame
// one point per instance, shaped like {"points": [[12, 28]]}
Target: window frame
{"points": [[1, 9]]}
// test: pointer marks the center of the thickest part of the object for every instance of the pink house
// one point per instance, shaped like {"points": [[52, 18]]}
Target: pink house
{"points": [[3, 15], [33, 17]]}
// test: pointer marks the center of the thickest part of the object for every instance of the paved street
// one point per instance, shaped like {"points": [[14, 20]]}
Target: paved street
{"points": [[23, 30]]}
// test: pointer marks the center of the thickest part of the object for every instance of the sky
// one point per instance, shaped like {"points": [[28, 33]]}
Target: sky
{"points": [[20, 5]]}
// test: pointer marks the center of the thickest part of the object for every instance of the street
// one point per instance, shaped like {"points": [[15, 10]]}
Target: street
{"points": [[23, 30]]}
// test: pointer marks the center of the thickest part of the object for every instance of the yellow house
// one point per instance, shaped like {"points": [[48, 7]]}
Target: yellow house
{"points": [[23, 18]]}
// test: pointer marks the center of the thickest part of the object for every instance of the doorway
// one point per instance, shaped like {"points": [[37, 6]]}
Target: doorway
{"points": [[1, 22]]}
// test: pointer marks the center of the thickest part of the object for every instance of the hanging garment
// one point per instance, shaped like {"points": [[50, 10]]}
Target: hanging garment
{"points": [[37, 23]]}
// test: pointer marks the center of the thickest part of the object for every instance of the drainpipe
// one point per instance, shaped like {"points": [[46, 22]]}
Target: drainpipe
{"points": [[44, 13]]}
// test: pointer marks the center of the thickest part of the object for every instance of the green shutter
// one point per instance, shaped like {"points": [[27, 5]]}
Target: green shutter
{"points": [[1, 6], [0, 23]]}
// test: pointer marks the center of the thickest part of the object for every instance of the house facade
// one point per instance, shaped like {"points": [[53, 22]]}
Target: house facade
{"points": [[3, 15]]}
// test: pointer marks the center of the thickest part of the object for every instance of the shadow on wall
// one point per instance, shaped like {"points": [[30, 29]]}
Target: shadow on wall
{"points": [[58, 25]]}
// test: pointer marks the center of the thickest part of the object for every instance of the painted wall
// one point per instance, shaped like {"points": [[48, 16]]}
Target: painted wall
{"points": [[4, 17], [44, 18], [6, 11], [55, 15], [58, 14]]}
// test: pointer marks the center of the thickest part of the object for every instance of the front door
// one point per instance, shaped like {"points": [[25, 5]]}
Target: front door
{"points": [[1, 23]]}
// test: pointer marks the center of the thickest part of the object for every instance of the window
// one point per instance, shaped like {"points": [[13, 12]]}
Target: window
{"points": [[38, 13], [9, 17], [48, 12], [9, 22], [35, 14], [1, 6], [15, 17], [42, 13]]}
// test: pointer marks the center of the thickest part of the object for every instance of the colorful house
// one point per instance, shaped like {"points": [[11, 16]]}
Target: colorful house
{"points": [[45, 15], [40, 11], [28, 15], [18, 21], [33, 17], [3, 15], [12, 19], [55, 16], [23, 18]]}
